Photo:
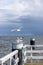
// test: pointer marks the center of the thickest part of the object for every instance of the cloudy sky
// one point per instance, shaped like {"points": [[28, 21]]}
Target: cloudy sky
{"points": [[22, 15]]}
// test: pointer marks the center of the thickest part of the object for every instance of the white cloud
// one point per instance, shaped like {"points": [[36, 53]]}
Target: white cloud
{"points": [[14, 9]]}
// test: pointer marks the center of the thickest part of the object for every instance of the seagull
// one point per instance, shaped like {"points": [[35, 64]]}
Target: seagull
{"points": [[18, 29], [13, 30]]}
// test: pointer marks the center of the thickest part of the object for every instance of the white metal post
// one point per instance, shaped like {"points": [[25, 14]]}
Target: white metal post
{"points": [[10, 61], [31, 54], [2, 63], [22, 56], [16, 56]]}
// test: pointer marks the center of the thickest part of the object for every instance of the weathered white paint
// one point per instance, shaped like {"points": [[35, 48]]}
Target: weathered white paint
{"points": [[9, 56], [34, 51], [31, 52], [35, 57], [34, 45]]}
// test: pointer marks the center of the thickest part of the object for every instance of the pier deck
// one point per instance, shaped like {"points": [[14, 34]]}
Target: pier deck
{"points": [[34, 63]]}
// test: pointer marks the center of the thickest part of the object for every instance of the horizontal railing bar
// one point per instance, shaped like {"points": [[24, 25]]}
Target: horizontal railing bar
{"points": [[34, 51], [35, 57], [5, 58], [32, 46]]}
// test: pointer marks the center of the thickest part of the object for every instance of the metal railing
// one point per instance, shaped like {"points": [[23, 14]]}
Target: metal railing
{"points": [[27, 49], [10, 57], [36, 54]]}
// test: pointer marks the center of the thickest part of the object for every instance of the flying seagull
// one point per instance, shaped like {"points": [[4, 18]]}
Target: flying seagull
{"points": [[18, 29]]}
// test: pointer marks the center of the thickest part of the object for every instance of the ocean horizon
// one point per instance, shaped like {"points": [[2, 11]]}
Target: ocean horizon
{"points": [[21, 30]]}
